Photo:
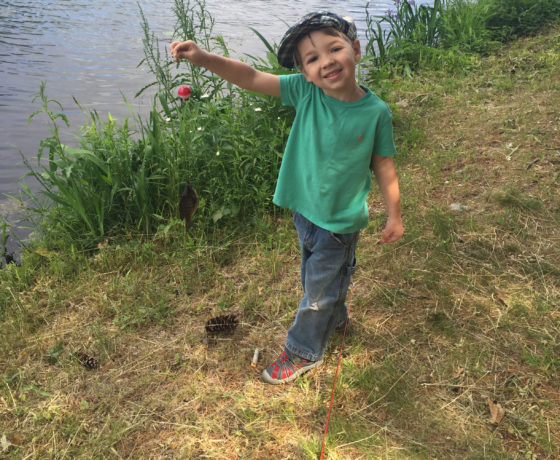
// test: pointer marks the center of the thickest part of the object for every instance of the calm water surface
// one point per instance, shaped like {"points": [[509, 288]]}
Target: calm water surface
{"points": [[90, 50]]}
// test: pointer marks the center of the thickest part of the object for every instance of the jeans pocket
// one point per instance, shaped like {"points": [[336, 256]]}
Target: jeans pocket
{"points": [[343, 239], [338, 238]]}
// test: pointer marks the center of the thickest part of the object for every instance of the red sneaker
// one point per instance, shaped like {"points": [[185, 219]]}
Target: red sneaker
{"points": [[287, 367]]}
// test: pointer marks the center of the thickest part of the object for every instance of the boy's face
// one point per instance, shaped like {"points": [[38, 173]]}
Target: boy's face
{"points": [[329, 62]]}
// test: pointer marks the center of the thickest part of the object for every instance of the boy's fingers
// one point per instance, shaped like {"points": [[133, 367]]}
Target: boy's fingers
{"points": [[172, 47], [384, 239], [175, 48], [389, 236], [387, 240]]}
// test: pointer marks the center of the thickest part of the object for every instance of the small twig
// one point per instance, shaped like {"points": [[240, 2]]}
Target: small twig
{"points": [[359, 440], [11, 395], [182, 425], [455, 386], [531, 163]]}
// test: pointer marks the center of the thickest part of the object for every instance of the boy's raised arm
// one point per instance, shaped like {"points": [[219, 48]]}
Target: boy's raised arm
{"points": [[232, 70]]}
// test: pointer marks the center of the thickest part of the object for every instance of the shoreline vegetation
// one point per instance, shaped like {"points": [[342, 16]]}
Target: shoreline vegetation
{"points": [[109, 343]]}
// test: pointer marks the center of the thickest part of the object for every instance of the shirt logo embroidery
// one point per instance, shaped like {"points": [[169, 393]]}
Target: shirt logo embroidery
{"points": [[361, 139]]}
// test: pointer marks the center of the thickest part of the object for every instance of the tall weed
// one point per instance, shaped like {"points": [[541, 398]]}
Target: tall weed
{"points": [[89, 192], [225, 141], [511, 19], [401, 36], [465, 26], [193, 22], [445, 34]]}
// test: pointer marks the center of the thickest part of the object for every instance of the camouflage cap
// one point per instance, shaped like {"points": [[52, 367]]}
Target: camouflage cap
{"points": [[308, 23]]}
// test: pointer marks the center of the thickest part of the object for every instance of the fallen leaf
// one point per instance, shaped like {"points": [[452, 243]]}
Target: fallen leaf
{"points": [[16, 440], [459, 372], [502, 300], [4, 443], [497, 412], [44, 252], [381, 416]]}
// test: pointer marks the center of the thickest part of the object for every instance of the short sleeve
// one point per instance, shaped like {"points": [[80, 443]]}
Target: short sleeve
{"points": [[292, 88]]}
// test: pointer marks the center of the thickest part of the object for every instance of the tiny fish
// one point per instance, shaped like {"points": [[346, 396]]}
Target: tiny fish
{"points": [[188, 204]]}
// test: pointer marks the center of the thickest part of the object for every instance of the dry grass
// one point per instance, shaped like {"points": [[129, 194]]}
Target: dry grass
{"points": [[465, 309]]}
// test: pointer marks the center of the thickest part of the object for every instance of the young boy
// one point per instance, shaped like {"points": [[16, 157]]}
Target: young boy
{"points": [[340, 132]]}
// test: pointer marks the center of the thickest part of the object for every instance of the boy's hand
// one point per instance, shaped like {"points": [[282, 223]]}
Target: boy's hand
{"points": [[384, 169], [186, 50], [393, 230]]}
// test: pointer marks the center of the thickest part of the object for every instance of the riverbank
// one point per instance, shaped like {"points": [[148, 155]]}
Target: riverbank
{"points": [[455, 337]]}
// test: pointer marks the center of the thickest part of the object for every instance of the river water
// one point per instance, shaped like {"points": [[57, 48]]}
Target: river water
{"points": [[90, 50]]}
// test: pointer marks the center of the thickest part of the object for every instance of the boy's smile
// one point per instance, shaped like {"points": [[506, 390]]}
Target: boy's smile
{"points": [[329, 62]]}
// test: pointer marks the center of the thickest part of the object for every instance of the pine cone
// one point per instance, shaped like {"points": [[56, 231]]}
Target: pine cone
{"points": [[223, 324], [87, 361]]}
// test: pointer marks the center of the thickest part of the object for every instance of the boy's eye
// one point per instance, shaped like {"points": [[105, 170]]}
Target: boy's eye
{"points": [[311, 59]]}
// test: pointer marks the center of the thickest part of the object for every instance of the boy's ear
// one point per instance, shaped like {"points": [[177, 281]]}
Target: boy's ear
{"points": [[357, 50]]}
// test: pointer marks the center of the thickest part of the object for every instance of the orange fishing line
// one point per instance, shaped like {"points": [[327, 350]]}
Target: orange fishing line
{"points": [[336, 374]]}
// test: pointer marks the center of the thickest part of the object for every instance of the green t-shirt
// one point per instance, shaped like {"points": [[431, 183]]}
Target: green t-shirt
{"points": [[325, 174]]}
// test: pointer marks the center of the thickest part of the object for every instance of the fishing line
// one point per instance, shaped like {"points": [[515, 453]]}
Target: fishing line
{"points": [[336, 373]]}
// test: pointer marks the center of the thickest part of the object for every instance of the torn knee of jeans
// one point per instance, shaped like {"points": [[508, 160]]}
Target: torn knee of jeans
{"points": [[314, 305]]}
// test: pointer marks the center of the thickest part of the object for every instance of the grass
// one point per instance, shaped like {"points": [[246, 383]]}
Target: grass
{"points": [[464, 308]]}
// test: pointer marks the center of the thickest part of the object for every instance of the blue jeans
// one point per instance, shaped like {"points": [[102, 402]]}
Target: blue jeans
{"points": [[327, 264]]}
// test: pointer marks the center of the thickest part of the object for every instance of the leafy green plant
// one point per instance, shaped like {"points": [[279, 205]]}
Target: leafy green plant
{"points": [[193, 22], [510, 19], [61, 182], [81, 187], [464, 26], [4, 235], [444, 34], [400, 36], [377, 46], [417, 24], [513, 198], [226, 142], [53, 354]]}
